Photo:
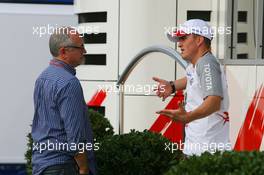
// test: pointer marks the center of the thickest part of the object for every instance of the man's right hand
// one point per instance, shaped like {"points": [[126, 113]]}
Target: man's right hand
{"points": [[164, 88], [82, 162]]}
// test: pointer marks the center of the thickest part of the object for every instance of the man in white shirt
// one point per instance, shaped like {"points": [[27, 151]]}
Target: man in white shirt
{"points": [[205, 113]]}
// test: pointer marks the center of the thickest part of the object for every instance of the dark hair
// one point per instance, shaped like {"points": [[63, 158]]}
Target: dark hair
{"points": [[207, 42]]}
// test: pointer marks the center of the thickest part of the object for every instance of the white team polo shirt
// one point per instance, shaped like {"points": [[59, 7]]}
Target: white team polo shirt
{"points": [[212, 132]]}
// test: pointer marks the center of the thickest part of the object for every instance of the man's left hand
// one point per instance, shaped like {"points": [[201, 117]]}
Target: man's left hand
{"points": [[178, 115]]}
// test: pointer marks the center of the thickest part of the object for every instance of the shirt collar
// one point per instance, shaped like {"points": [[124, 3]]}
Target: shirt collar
{"points": [[204, 55], [59, 63]]}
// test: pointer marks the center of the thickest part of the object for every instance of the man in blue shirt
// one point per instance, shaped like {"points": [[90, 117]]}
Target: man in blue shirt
{"points": [[61, 130]]}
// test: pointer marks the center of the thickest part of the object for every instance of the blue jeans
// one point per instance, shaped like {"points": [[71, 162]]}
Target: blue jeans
{"points": [[64, 169]]}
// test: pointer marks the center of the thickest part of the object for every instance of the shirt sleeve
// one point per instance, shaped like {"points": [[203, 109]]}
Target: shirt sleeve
{"points": [[73, 113], [209, 74]]}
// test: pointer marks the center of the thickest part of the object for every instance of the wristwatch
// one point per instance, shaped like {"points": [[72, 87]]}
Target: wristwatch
{"points": [[172, 86]]}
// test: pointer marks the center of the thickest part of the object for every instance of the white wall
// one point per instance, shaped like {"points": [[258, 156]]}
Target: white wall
{"points": [[131, 26], [23, 57], [142, 24], [243, 82]]}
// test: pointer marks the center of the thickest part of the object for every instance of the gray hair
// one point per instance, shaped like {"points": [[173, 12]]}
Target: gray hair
{"points": [[60, 38]]}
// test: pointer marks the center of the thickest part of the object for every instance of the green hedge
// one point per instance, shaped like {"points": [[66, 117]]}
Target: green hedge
{"points": [[135, 153], [28, 154], [145, 153], [230, 162], [100, 125]]}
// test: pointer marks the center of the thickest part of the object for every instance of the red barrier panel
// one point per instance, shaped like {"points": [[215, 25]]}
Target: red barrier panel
{"points": [[251, 133], [97, 98], [174, 132]]}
